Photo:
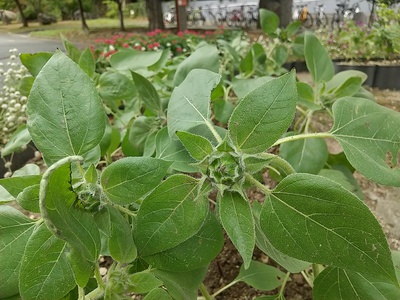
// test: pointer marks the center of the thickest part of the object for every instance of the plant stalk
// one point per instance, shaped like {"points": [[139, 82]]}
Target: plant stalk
{"points": [[320, 135], [205, 292], [223, 289]]}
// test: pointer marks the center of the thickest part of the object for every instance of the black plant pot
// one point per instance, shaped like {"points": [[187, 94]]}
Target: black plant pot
{"points": [[370, 70], [300, 66], [387, 77]]}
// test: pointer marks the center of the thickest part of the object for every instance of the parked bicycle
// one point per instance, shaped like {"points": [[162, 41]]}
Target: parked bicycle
{"points": [[236, 17], [301, 13], [321, 19], [218, 16], [344, 12], [195, 16]]}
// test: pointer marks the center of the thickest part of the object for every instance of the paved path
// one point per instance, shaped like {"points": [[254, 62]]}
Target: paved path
{"points": [[25, 44]]}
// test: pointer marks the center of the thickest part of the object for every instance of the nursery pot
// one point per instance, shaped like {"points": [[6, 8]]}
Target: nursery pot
{"points": [[387, 77]]}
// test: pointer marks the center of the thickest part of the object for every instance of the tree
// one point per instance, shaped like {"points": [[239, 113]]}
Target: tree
{"points": [[120, 14], [85, 27], [21, 12], [155, 15], [283, 8]]}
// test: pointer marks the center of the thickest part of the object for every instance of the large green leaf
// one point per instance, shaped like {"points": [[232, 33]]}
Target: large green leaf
{"points": [[312, 218], [261, 276], [45, 272], [205, 57], [147, 93], [65, 214], [170, 215], [158, 294], [15, 230], [65, 114], [130, 59], [269, 21], [370, 137], [120, 243], [237, 219], [143, 282], [182, 285], [198, 251], [174, 151], [264, 114], [190, 102], [337, 284], [18, 139], [317, 59], [306, 155], [242, 87], [128, 179], [114, 86], [87, 62], [35, 62]]}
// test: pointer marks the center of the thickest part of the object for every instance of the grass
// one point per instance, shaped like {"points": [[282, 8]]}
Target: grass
{"points": [[73, 29]]}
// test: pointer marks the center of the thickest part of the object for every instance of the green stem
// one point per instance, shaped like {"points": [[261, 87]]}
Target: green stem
{"points": [[214, 132], [307, 278], [100, 282], [258, 184], [284, 283], [224, 288], [81, 293], [320, 135], [97, 293], [205, 292]]}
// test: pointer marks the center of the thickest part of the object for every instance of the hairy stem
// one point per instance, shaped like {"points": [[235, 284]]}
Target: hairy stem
{"points": [[320, 135], [205, 292], [223, 289]]}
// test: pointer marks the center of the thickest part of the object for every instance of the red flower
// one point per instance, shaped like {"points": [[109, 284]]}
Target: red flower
{"points": [[179, 49], [125, 45]]}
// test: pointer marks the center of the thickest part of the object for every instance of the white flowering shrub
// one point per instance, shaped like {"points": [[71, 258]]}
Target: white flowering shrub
{"points": [[12, 103]]}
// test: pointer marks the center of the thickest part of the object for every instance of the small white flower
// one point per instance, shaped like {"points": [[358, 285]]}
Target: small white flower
{"points": [[168, 44], [13, 57], [155, 48], [7, 175], [4, 106], [17, 106], [5, 129], [143, 49], [111, 48], [11, 119], [24, 99]]}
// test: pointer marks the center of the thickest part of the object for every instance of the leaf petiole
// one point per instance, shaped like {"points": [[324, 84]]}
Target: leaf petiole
{"points": [[320, 135]]}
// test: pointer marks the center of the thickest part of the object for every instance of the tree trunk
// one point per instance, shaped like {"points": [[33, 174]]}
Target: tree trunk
{"points": [[85, 27], [21, 12], [283, 8], [155, 15], [120, 15]]}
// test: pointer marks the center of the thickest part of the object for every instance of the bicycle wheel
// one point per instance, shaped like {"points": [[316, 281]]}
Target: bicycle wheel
{"points": [[335, 24], [321, 20], [308, 22]]}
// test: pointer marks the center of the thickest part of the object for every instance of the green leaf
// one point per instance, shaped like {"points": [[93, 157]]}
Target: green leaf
{"points": [[15, 230], [27, 170], [371, 145], [114, 86], [190, 102], [175, 152], [143, 282], [315, 219], [66, 214], [138, 133], [87, 62], [147, 93], [130, 59], [206, 58], [349, 88], [306, 155], [128, 179], [158, 294], [45, 272], [197, 251], [334, 283], [306, 96], [65, 114], [18, 139], [340, 78], [237, 219], [293, 28], [182, 285], [15, 185], [28, 199], [396, 261], [291, 264], [120, 243], [160, 64], [25, 85], [222, 110], [269, 21], [35, 62], [72, 51], [272, 106], [280, 54], [317, 59], [247, 63], [261, 276], [170, 215], [198, 146], [242, 87]]}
